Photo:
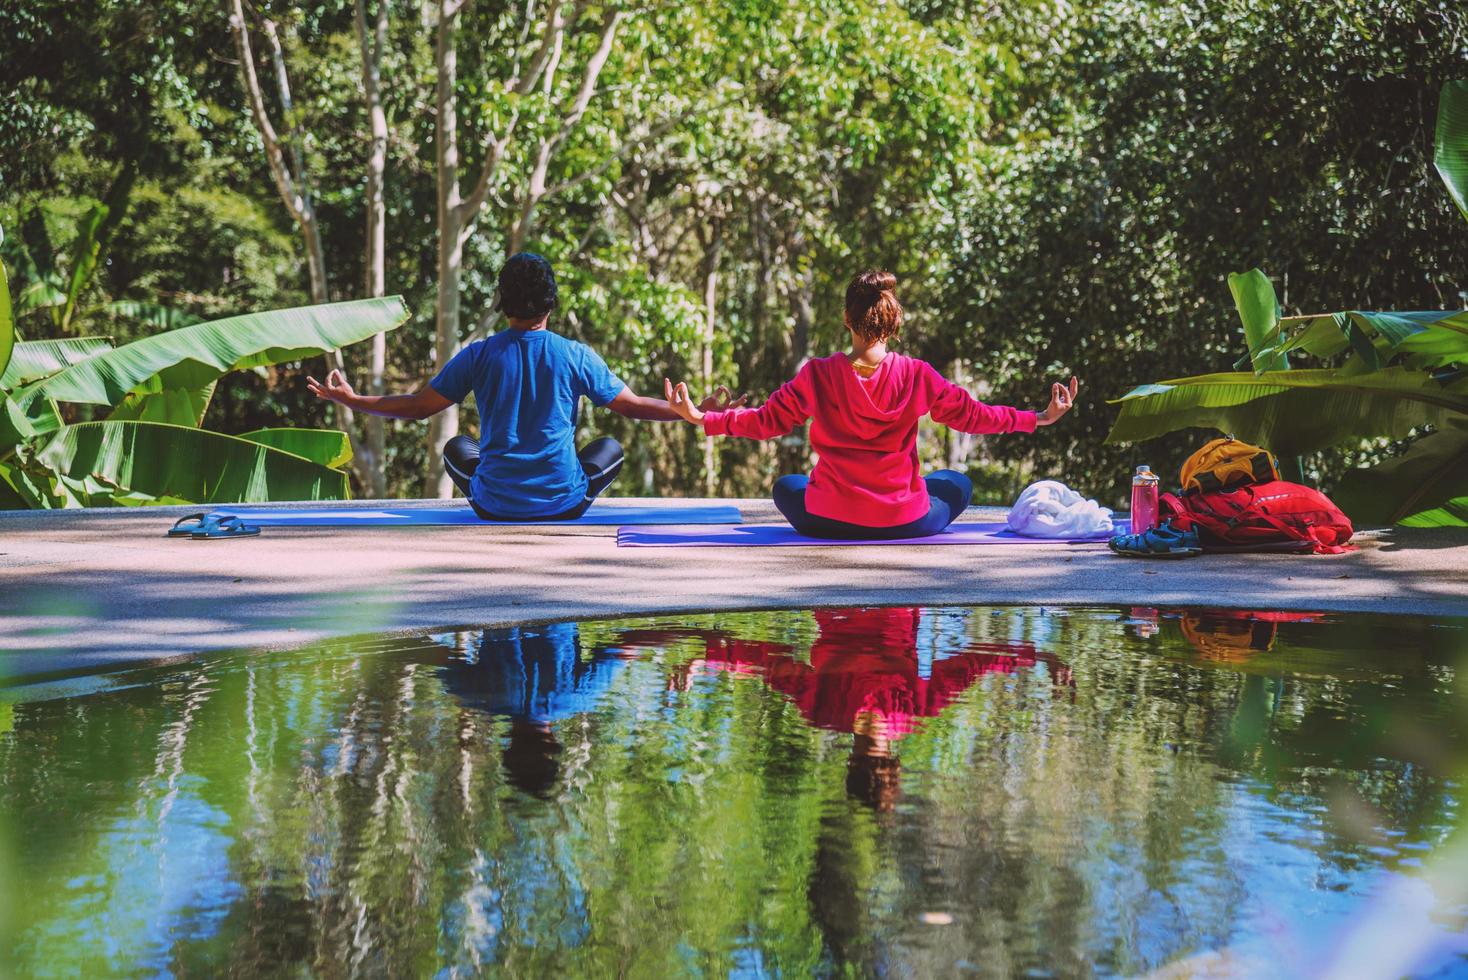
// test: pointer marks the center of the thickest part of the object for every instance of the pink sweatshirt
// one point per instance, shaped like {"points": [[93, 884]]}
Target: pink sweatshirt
{"points": [[865, 432]]}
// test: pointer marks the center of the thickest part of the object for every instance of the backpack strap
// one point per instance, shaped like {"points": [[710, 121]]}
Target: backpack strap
{"points": [[1315, 536], [1274, 522], [1169, 503], [1186, 517]]}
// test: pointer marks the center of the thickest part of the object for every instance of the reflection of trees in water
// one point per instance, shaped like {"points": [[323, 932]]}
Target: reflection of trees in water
{"points": [[372, 829]]}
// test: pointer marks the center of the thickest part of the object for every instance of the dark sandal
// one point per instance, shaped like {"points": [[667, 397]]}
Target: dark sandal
{"points": [[224, 526], [1164, 541], [186, 526]]}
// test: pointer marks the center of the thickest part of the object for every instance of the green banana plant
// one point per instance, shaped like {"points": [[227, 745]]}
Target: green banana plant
{"points": [[1427, 486], [329, 447], [149, 450], [1293, 412], [7, 322], [1450, 142], [143, 462], [180, 367], [1398, 373], [46, 286], [33, 360]]}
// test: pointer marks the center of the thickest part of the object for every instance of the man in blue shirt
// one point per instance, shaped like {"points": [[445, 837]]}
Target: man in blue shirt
{"points": [[536, 677], [527, 382]]}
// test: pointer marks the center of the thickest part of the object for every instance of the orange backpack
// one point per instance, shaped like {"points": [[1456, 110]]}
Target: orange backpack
{"points": [[1227, 462]]}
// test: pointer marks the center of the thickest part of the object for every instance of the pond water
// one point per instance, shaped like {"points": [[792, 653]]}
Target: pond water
{"points": [[913, 792]]}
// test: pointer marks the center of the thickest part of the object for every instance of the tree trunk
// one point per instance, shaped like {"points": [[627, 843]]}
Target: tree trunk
{"points": [[445, 425], [793, 455], [710, 311], [457, 214], [958, 447], [376, 462], [294, 188]]}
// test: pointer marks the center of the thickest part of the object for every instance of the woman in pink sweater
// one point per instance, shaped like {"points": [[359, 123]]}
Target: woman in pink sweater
{"points": [[864, 406]]}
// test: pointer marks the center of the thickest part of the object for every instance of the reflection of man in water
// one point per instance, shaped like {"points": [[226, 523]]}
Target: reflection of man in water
{"points": [[865, 676], [535, 676]]}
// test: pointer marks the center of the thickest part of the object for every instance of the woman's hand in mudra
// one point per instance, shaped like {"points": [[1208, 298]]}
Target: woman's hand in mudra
{"points": [[681, 402], [1062, 400], [720, 400]]}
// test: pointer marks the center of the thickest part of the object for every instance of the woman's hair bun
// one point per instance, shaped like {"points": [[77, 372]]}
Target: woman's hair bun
{"points": [[877, 279], [872, 309]]}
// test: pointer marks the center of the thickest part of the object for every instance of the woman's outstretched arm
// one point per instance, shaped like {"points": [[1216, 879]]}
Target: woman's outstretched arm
{"points": [[784, 410], [957, 409], [634, 406]]}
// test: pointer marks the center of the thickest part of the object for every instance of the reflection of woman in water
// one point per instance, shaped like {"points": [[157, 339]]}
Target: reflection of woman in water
{"points": [[535, 676], [865, 677]]}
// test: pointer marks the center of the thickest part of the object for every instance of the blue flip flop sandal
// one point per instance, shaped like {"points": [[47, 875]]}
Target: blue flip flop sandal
{"points": [[224, 526], [186, 526], [1164, 541]]}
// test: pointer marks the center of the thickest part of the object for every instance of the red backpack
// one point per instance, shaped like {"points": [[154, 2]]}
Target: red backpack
{"points": [[1272, 516]]}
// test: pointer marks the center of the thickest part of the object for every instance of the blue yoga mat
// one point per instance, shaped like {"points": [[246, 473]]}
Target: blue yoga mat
{"points": [[460, 513], [784, 536]]}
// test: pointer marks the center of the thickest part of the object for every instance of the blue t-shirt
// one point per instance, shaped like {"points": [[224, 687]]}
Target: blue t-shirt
{"points": [[536, 673], [527, 384]]}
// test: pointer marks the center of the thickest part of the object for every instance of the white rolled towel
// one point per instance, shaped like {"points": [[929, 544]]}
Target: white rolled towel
{"points": [[1050, 509]]}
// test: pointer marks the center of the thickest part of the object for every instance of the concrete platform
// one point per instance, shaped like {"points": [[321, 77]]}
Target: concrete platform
{"points": [[89, 590]]}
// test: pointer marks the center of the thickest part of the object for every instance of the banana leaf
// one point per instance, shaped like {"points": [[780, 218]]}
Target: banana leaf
{"points": [[11, 498], [20, 490], [33, 360], [1452, 513], [179, 359], [1426, 339], [24, 415], [1293, 412], [139, 460], [180, 396], [153, 314], [39, 294], [329, 447], [1259, 312], [85, 252], [7, 323], [1450, 144], [1430, 476]]}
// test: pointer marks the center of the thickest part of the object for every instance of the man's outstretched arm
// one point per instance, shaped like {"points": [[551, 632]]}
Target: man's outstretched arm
{"points": [[418, 405], [658, 410]]}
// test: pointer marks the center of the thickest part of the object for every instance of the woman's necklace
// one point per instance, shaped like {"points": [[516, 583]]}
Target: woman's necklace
{"points": [[865, 369]]}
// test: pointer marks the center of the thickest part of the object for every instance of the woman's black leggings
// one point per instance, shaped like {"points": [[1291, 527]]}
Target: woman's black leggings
{"points": [[601, 459], [949, 492]]}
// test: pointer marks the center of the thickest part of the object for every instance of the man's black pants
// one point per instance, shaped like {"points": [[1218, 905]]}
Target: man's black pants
{"points": [[601, 459]]}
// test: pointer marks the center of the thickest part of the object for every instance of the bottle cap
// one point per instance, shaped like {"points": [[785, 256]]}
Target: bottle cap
{"points": [[1144, 468]]}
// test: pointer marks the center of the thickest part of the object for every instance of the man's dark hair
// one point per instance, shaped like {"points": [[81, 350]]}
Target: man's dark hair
{"points": [[532, 758], [527, 286]]}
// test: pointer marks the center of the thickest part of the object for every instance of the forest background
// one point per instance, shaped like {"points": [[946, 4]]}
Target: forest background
{"points": [[1060, 188]]}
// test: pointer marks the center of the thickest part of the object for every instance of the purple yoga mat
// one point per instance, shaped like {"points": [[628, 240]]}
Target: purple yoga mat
{"points": [[783, 536], [459, 512]]}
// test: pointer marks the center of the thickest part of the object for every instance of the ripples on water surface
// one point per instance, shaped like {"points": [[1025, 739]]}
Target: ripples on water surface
{"points": [[887, 791]]}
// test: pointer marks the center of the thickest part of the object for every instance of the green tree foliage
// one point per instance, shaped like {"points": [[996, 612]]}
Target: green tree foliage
{"points": [[1401, 371], [1059, 188], [1176, 142]]}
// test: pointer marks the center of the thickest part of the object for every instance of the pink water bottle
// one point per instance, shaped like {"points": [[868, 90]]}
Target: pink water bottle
{"points": [[1144, 500]]}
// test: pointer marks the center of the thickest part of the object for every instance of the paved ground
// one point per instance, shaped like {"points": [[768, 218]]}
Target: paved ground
{"points": [[85, 590]]}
